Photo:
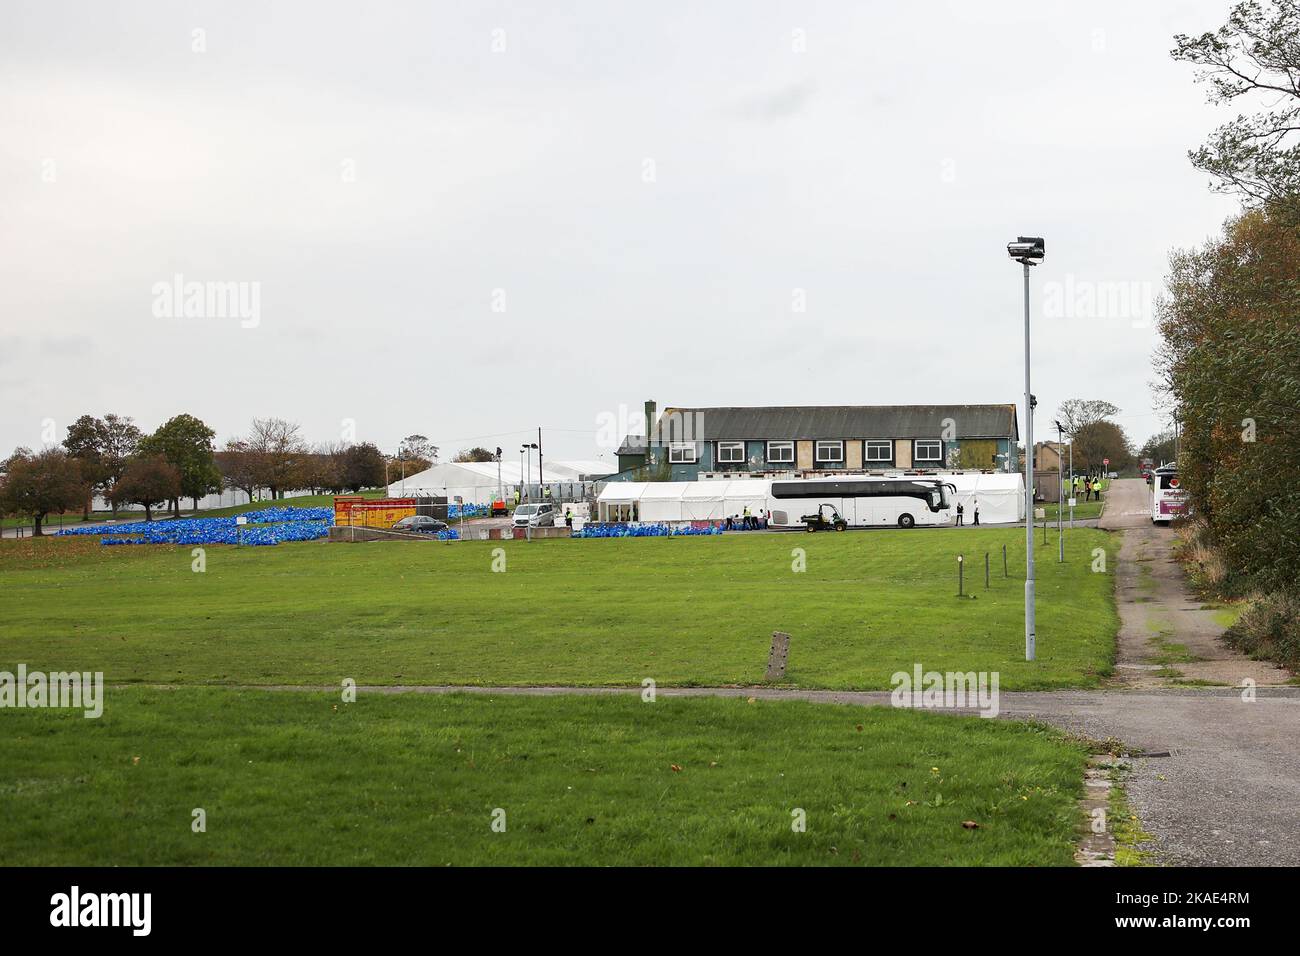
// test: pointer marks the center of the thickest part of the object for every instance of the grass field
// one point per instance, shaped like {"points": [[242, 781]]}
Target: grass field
{"points": [[52, 522], [594, 612], [300, 778], [1084, 509]]}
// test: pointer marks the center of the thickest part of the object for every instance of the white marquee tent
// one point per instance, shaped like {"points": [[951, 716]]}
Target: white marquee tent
{"points": [[476, 481], [1001, 496], [682, 500]]}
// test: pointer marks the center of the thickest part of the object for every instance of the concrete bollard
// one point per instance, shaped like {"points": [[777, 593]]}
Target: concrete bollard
{"points": [[777, 656]]}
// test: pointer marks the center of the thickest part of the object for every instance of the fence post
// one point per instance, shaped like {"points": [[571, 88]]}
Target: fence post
{"points": [[986, 570], [1004, 560], [960, 562]]}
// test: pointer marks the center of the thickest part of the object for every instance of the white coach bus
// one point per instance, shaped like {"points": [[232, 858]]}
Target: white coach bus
{"points": [[1168, 499], [861, 502]]}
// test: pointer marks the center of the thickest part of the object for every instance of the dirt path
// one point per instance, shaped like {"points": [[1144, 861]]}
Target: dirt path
{"points": [[1167, 636], [1227, 792]]}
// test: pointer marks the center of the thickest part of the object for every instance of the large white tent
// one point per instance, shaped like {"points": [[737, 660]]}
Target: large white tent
{"points": [[476, 481], [682, 500], [1001, 496]]}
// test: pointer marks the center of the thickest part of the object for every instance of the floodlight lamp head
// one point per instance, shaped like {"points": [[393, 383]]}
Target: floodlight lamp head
{"points": [[1027, 249]]}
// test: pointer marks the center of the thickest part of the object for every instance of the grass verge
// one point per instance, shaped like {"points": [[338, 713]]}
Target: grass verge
{"points": [[295, 778]]}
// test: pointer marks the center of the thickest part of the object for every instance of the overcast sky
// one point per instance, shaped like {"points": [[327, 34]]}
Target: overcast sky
{"points": [[752, 203]]}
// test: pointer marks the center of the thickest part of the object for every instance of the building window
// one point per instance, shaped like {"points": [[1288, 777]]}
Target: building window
{"points": [[880, 451], [731, 452], [780, 451], [927, 450], [830, 451], [681, 453]]}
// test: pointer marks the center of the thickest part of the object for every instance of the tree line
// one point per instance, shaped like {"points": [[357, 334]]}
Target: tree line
{"points": [[111, 457], [1230, 358]]}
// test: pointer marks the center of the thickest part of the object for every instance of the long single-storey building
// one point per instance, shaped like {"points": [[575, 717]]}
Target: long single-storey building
{"points": [[688, 443]]}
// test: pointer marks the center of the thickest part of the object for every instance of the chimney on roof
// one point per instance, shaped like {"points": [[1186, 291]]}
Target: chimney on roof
{"points": [[650, 417]]}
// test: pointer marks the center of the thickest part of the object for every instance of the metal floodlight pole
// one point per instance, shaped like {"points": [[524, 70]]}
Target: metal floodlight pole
{"points": [[1071, 479], [1060, 497], [1025, 250], [1029, 491]]}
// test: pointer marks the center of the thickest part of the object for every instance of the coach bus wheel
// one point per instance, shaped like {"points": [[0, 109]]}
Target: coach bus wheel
{"points": [[906, 521]]}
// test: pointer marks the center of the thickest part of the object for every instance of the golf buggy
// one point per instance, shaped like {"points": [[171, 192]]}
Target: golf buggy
{"points": [[827, 518]]}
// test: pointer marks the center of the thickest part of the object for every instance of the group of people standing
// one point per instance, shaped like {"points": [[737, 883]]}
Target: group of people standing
{"points": [[748, 521], [1088, 485], [975, 511], [546, 494]]}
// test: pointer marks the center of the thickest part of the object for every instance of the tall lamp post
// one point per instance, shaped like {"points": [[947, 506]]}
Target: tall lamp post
{"points": [[1060, 431], [1071, 472], [1060, 497], [529, 449], [1028, 250]]}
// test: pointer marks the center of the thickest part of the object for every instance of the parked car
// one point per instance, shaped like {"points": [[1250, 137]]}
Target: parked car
{"points": [[421, 523], [535, 516]]}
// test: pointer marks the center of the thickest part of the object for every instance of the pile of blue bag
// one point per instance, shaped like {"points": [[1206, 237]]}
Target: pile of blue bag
{"points": [[450, 534], [642, 530], [467, 511], [265, 527], [289, 513]]}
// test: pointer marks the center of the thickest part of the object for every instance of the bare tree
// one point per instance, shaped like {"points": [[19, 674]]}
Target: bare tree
{"points": [[277, 450], [417, 447], [238, 467], [1079, 413], [1255, 56]]}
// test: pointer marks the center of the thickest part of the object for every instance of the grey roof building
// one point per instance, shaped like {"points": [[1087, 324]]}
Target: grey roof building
{"points": [[685, 441]]}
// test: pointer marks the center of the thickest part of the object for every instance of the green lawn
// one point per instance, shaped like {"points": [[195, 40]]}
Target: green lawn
{"points": [[51, 522], [579, 612], [1084, 509], [298, 778]]}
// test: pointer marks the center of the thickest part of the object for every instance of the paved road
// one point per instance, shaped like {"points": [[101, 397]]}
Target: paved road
{"points": [[52, 527]]}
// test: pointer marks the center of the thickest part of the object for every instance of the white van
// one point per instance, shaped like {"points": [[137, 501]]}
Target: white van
{"points": [[535, 516]]}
